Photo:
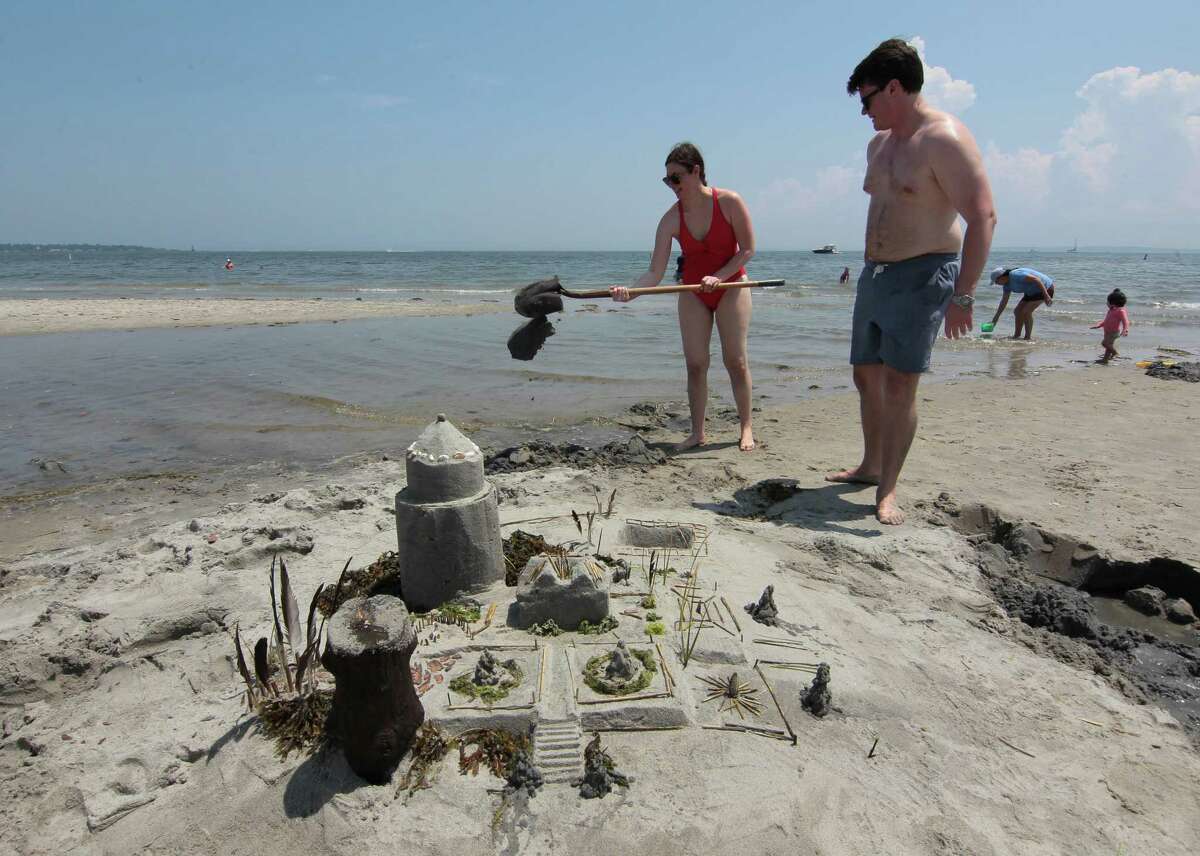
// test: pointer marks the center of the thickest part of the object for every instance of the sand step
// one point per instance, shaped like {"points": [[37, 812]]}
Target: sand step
{"points": [[557, 742], [558, 751]]}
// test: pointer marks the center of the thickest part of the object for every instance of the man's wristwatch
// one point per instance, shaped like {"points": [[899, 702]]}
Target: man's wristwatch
{"points": [[965, 301]]}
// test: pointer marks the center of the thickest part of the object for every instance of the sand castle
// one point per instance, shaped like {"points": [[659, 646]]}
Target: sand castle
{"points": [[479, 682]]}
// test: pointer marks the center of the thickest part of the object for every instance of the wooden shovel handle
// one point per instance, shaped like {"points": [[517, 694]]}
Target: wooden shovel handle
{"points": [[673, 289]]}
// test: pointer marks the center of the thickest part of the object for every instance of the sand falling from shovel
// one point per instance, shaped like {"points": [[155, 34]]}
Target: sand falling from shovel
{"points": [[535, 301]]}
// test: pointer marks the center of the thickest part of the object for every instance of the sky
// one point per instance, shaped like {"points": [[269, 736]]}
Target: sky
{"points": [[544, 125]]}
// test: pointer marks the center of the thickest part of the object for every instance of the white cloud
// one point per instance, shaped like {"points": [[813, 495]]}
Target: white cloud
{"points": [[1127, 166], [941, 89], [1026, 171], [829, 185], [824, 206], [1138, 135]]}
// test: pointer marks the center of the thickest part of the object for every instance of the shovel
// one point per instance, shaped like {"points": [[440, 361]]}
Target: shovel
{"points": [[539, 299], [545, 297]]}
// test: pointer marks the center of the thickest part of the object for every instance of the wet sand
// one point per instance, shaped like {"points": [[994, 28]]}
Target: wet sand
{"points": [[27, 317], [126, 731]]}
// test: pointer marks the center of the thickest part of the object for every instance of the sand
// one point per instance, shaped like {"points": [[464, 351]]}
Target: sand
{"points": [[26, 317], [126, 733]]}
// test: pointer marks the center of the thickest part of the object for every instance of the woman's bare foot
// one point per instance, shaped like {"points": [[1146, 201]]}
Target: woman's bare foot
{"points": [[887, 510], [852, 476], [691, 442], [746, 442]]}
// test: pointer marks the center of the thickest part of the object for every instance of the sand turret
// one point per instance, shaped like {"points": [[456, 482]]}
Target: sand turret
{"points": [[447, 523]]}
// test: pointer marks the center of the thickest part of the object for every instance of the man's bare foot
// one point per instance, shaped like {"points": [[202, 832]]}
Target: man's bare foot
{"points": [[887, 510], [691, 442], [852, 476], [746, 442]]}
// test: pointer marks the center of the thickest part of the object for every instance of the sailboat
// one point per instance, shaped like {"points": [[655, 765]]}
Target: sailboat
{"points": [[1075, 248]]}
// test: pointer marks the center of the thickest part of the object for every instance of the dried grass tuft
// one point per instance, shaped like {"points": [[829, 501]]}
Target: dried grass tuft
{"points": [[297, 723]]}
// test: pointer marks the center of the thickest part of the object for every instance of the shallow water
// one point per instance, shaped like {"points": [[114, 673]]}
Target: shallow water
{"points": [[1116, 612], [109, 403]]}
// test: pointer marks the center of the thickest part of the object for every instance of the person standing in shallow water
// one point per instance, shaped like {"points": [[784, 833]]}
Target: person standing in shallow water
{"points": [[1035, 289], [714, 232], [924, 170]]}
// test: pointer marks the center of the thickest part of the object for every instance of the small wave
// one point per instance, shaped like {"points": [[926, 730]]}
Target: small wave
{"points": [[1174, 304]]}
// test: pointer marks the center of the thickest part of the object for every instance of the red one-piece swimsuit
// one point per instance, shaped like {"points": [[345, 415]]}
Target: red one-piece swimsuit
{"points": [[705, 258]]}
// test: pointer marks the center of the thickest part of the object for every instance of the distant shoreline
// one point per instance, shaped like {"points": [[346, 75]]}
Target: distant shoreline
{"points": [[848, 250], [23, 317]]}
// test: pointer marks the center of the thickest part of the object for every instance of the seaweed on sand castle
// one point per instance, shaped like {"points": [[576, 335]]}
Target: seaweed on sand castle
{"points": [[495, 749], [621, 671], [293, 709], [429, 747], [458, 611], [603, 626], [522, 546], [549, 627], [380, 577], [491, 680]]}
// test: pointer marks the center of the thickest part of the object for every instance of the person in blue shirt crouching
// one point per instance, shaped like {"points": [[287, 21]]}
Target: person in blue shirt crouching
{"points": [[1035, 289]]}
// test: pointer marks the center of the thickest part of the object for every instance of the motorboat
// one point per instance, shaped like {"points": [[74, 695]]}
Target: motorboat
{"points": [[826, 250]]}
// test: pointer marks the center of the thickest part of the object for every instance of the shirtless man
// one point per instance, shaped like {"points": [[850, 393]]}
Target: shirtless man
{"points": [[924, 170]]}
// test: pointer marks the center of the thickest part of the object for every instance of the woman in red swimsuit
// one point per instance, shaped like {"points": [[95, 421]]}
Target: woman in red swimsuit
{"points": [[714, 233]]}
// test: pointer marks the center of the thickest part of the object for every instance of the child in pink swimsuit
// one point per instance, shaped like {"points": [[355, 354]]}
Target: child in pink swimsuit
{"points": [[1115, 323]]}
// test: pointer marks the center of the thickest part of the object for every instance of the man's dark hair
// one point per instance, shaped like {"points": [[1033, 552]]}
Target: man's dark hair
{"points": [[894, 59], [1117, 298], [686, 154]]}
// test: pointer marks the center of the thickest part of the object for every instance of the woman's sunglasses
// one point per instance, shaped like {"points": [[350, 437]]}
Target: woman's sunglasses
{"points": [[673, 179]]}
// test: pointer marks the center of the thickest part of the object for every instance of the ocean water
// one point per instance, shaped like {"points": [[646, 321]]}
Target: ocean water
{"points": [[106, 404]]}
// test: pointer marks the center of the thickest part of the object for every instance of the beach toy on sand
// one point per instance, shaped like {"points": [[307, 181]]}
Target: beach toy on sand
{"points": [[1145, 364], [987, 327]]}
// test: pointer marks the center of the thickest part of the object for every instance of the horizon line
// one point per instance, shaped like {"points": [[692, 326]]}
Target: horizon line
{"points": [[1055, 248]]}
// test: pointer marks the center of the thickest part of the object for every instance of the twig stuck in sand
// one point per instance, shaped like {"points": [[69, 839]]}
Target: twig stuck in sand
{"points": [[773, 733], [871, 754], [1017, 748], [778, 707], [729, 609]]}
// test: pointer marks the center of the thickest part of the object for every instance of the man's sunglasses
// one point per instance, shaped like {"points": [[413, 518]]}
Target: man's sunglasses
{"points": [[673, 179], [866, 99]]}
